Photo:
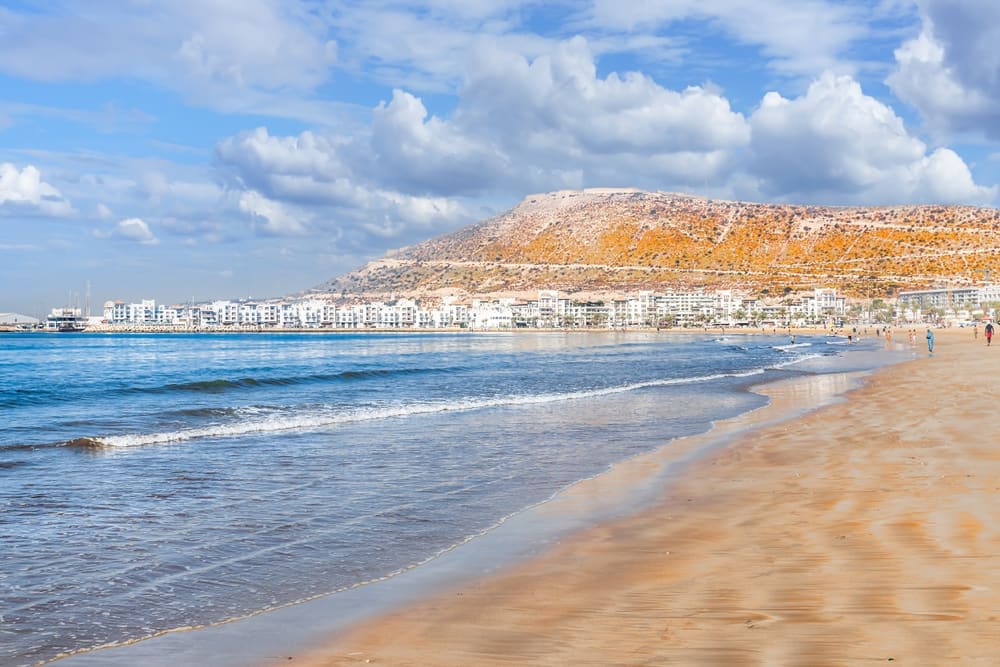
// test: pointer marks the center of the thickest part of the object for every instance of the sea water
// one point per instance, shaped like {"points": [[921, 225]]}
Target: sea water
{"points": [[155, 482]]}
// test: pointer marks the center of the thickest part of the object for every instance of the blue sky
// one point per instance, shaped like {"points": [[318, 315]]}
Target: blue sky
{"points": [[222, 149]]}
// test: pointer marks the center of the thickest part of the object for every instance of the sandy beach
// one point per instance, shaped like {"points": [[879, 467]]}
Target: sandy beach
{"points": [[866, 531]]}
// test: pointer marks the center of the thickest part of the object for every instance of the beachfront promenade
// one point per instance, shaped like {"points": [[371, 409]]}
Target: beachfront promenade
{"points": [[864, 532]]}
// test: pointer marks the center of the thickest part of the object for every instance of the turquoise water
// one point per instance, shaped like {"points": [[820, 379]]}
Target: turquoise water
{"points": [[156, 482]]}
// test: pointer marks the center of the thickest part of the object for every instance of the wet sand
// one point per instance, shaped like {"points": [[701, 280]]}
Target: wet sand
{"points": [[866, 531]]}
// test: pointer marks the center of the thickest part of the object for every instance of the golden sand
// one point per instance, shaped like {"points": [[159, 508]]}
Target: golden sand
{"points": [[865, 532]]}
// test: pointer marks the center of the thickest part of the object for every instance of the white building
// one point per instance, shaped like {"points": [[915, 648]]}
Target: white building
{"points": [[494, 314], [642, 308], [17, 320], [949, 298], [823, 303]]}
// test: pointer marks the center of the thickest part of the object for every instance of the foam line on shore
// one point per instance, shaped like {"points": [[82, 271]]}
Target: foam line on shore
{"points": [[318, 420]]}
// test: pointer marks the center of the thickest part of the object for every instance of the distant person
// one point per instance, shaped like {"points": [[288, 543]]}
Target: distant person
{"points": [[913, 337], [930, 340], [975, 331], [989, 334]]}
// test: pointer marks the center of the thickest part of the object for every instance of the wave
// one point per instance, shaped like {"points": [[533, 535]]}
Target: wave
{"points": [[16, 398], [219, 385], [42, 396], [323, 419], [83, 443], [790, 346], [796, 360], [205, 412]]}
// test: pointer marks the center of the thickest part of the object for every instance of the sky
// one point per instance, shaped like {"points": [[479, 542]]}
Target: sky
{"points": [[219, 149]]}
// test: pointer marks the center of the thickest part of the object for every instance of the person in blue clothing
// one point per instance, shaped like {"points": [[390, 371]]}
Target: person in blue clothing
{"points": [[930, 340]]}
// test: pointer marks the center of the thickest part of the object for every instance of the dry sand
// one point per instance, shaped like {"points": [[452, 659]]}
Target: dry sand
{"points": [[865, 532]]}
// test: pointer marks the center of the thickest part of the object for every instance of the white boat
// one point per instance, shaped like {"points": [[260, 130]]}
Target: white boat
{"points": [[65, 320]]}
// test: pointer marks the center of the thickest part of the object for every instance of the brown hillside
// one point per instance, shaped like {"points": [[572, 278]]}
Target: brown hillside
{"points": [[620, 240]]}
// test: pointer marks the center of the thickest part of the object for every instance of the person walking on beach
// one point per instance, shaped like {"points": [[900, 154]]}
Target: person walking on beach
{"points": [[930, 340], [989, 333]]}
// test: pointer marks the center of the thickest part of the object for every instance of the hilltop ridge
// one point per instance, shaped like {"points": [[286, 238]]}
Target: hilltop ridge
{"points": [[622, 239]]}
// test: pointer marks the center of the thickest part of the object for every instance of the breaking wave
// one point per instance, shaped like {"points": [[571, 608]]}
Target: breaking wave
{"points": [[321, 419]]}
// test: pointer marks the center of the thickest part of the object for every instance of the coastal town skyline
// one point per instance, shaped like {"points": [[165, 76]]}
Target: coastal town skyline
{"points": [[149, 149], [547, 309]]}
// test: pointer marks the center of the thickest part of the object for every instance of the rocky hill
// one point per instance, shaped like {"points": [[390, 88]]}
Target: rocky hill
{"points": [[599, 241]]}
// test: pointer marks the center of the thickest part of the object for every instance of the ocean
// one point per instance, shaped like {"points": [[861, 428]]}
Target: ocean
{"points": [[156, 482]]}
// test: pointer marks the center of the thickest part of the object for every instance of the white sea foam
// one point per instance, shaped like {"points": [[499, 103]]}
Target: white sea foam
{"points": [[322, 419], [786, 348], [796, 360]]}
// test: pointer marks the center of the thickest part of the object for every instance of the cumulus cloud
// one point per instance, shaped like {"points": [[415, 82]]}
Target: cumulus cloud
{"points": [[419, 154], [525, 125], [520, 125], [949, 71], [307, 168], [275, 218], [133, 230], [24, 191], [218, 52], [327, 184], [557, 107], [836, 144]]}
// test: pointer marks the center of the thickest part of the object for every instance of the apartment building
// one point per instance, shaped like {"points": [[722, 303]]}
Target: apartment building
{"points": [[644, 308]]}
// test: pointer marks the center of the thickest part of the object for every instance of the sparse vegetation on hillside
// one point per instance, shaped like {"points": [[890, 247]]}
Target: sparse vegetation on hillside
{"points": [[627, 240]]}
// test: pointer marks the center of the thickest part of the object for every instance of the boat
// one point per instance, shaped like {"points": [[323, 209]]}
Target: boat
{"points": [[65, 320]]}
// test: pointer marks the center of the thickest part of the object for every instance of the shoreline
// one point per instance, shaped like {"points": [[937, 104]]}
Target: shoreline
{"points": [[620, 491], [735, 331], [861, 531]]}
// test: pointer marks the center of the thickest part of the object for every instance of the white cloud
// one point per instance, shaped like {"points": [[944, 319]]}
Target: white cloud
{"points": [[532, 125], [276, 219], [133, 230], [839, 145], [420, 154], [329, 184], [425, 49], [557, 105], [103, 212], [307, 168], [24, 191], [949, 71], [222, 53], [520, 126], [801, 37]]}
